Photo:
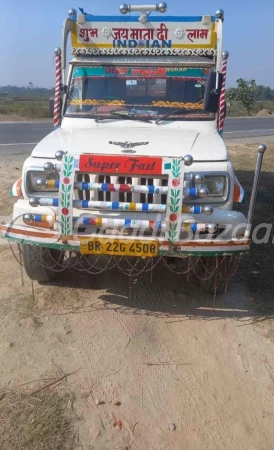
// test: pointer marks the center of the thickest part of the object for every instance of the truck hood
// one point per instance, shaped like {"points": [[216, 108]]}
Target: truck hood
{"points": [[157, 141]]}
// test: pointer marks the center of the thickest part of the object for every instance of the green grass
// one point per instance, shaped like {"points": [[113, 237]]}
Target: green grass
{"points": [[238, 110], [36, 107]]}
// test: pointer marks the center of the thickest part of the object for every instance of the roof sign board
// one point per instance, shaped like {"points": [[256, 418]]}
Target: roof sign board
{"points": [[127, 35]]}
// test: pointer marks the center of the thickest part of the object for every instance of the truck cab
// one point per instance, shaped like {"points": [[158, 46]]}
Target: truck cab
{"points": [[136, 166]]}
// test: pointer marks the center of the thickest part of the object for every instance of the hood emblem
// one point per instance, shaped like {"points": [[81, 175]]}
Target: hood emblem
{"points": [[128, 145]]}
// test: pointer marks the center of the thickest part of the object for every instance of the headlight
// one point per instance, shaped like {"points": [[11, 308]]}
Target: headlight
{"points": [[33, 188], [217, 186]]}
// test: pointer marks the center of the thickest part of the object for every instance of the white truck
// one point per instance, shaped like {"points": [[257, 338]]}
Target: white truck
{"points": [[136, 166]]}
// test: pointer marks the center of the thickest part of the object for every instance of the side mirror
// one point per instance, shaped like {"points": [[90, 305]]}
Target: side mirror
{"points": [[64, 88], [212, 95]]}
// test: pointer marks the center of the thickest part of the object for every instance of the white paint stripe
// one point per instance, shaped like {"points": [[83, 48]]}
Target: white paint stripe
{"points": [[249, 131], [20, 143]]}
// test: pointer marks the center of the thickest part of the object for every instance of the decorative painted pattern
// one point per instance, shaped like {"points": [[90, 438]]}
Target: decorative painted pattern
{"points": [[138, 224], [58, 86], [43, 218], [144, 51], [66, 195], [114, 206], [108, 187], [159, 104], [118, 224], [182, 73], [16, 190], [121, 223], [104, 35], [97, 102], [203, 247], [135, 189], [107, 21], [120, 206], [193, 209], [141, 165], [162, 104], [175, 169], [222, 104]]}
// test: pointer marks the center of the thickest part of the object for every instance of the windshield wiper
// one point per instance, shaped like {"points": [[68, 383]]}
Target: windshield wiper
{"points": [[124, 116], [171, 113]]}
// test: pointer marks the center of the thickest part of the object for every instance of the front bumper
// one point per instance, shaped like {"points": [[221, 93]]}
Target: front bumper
{"points": [[177, 229], [229, 241]]}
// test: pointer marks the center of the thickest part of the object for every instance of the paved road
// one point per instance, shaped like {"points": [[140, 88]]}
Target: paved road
{"points": [[21, 137], [249, 127]]}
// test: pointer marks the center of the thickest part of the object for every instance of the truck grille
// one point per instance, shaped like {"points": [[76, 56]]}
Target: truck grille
{"points": [[103, 196], [127, 197]]}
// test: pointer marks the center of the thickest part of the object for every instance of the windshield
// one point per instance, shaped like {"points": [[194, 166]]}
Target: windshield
{"points": [[111, 92]]}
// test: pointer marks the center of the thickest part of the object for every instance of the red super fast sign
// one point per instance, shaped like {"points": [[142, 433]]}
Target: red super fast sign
{"points": [[120, 164]]}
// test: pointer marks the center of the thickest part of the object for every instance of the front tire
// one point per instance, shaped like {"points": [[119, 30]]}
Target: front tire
{"points": [[215, 273], [42, 264]]}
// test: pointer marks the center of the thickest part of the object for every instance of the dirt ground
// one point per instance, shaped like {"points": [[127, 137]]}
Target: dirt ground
{"points": [[85, 365]]}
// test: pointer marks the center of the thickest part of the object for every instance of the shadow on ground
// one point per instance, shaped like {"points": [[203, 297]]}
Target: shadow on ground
{"points": [[257, 267], [161, 294], [250, 294]]}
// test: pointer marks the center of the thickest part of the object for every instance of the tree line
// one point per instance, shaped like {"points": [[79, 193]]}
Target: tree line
{"points": [[247, 93], [14, 90]]}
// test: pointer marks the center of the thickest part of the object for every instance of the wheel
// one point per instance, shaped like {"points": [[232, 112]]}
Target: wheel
{"points": [[42, 264], [214, 272]]}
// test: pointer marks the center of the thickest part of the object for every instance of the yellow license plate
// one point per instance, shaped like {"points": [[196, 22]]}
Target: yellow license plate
{"points": [[118, 247]]}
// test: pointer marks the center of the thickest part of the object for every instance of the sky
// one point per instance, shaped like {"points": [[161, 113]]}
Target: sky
{"points": [[31, 29]]}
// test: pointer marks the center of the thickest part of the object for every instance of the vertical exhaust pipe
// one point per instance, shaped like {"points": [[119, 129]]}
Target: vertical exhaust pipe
{"points": [[260, 157]]}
